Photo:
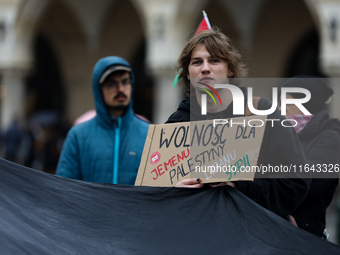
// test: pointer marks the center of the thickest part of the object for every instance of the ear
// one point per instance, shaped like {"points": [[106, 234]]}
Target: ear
{"points": [[230, 74], [188, 76]]}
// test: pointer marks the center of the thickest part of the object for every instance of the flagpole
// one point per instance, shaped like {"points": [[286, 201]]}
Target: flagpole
{"points": [[205, 16]]}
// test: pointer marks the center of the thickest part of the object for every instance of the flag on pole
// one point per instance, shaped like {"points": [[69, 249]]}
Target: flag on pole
{"points": [[176, 79], [204, 25]]}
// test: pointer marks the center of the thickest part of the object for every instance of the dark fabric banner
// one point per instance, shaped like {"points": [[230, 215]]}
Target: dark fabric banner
{"points": [[45, 214]]}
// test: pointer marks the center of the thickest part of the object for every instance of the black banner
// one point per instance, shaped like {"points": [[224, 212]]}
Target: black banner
{"points": [[45, 214]]}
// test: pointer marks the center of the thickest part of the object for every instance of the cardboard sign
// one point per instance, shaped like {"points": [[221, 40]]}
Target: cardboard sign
{"points": [[215, 151]]}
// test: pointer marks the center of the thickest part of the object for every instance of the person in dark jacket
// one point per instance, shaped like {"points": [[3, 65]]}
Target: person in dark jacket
{"points": [[108, 147], [209, 57], [320, 139]]}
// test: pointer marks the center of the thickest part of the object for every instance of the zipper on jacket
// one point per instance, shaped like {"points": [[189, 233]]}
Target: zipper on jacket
{"points": [[116, 153]]}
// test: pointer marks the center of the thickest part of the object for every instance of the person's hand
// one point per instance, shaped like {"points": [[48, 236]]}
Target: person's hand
{"points": [[292, 220], [190, 183], [224, 183]]}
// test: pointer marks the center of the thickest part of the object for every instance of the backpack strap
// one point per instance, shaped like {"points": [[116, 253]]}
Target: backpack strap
{"points": [[256, 101]]}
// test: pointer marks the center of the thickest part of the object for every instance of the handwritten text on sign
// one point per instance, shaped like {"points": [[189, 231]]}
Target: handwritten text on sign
{"points": [[186, 150]]}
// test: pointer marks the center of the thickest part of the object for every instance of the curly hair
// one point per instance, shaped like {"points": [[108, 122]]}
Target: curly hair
{"points": [[219, 46]]}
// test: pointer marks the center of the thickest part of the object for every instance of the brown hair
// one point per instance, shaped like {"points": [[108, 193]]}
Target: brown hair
{"points": [[219, 46]]}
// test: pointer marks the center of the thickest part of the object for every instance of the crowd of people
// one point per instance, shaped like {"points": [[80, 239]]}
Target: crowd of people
{"points": [[36, 143]]}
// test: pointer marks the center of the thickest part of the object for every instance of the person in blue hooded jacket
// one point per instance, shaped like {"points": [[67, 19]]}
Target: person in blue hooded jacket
{"points": [[107, 148]]}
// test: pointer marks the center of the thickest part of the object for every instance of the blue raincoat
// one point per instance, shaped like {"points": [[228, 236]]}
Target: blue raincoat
{"points": [[104, 149]]}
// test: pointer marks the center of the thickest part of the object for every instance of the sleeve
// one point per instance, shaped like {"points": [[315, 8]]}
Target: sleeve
{"points": [[325, 149], [280, 192], [69, 162]]}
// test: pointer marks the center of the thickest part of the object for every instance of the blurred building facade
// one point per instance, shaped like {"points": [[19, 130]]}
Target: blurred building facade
{"points": [[48, 47]]}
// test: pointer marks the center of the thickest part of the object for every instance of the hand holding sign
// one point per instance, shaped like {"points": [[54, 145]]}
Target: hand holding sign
{"points": [[190, 183]]}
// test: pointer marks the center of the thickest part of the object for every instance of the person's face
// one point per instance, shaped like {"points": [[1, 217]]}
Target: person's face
{"points": [[117, 90], [207, 69], [291, 109]]}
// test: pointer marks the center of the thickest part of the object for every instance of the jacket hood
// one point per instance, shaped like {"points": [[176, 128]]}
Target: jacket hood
{"points": [[103, 117]]}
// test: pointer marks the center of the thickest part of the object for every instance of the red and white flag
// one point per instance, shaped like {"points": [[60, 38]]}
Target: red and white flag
{"points": [[204, 25]]}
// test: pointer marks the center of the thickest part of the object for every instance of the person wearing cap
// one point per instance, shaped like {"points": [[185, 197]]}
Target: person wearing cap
{"points": [[320, 139], [209, 57], [108, 147]]}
